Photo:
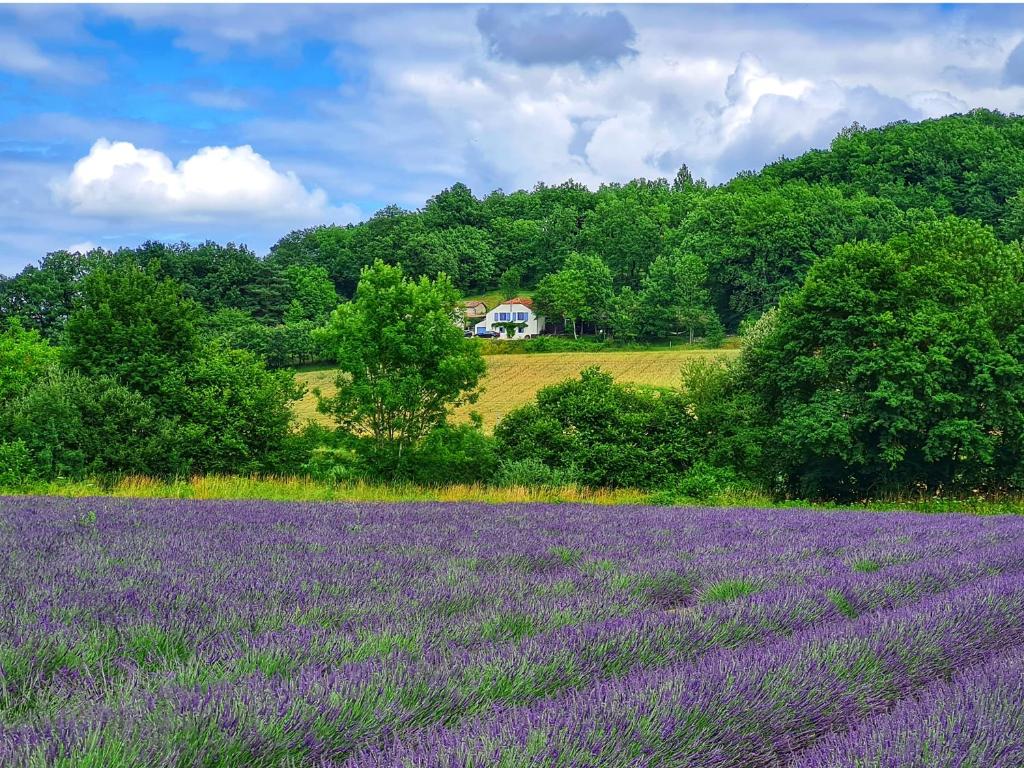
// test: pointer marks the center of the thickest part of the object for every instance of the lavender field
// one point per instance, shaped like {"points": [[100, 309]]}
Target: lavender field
{"points": [[172, 633]]}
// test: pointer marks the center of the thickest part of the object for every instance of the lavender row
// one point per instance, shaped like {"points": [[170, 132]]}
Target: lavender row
{"points": [[976, 719], [756, 707], [293, 632], [386, 696]]}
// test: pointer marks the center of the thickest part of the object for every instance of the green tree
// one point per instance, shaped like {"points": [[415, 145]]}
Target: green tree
{"points": [[403, 361], [130, 325], [626, 234], [313, 294], [510, 282], [898, 366], [627, 314], [221, 409], [25, 358], [580, 291], [676, 295]]}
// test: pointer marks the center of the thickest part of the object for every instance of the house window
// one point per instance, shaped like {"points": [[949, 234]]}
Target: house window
{"points": [[522, 316], [481, 329], [503, 317]]}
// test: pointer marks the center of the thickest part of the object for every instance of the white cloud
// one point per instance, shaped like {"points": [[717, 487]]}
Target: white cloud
{"points": [[218, 100], [81, 247], [21, 56], [118, 179]]}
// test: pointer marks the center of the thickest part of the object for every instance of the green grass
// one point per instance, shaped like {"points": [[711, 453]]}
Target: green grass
{"points": [[730, 589], [305, 489]]}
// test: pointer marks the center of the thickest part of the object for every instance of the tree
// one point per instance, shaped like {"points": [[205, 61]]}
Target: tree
{"points": [[626, 234], [25, 358], [627, 314], [222, 410], [580, 291], [510, 282], [133, 327], [313, 294], [683, 180], [676, 295], [42, 296], [463, 253], [403, 361], [235, 414], [897, 365]]}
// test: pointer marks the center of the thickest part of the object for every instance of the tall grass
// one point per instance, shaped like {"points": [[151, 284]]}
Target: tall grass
{"points": [[305, 489]]}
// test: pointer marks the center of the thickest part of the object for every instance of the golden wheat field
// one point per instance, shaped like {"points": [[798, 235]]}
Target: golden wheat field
{"points": [[513, 380]]}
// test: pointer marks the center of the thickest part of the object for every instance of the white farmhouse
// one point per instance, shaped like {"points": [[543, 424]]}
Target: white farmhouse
{"points": [[518, 310]]}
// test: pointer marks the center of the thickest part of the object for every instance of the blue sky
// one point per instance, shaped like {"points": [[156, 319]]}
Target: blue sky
{"points": [[124, 123]]}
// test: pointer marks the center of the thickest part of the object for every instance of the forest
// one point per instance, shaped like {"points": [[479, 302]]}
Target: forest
{"points": [[876, 283]]}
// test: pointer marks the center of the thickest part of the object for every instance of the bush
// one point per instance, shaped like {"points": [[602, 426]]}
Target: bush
{"points": [[704, 482], [453, 454], [75, 427], [532, 472], [608, 434], [16, 465]]}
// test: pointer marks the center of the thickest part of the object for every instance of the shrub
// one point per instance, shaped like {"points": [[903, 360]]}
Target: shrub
{"points": [[608, 434], [73, 426], [453, 454], [532, 472], [703, 481], [16, 465]]}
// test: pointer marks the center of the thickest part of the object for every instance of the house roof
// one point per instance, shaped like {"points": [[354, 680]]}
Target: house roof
{"points": [[473, 304], [525, 301]]}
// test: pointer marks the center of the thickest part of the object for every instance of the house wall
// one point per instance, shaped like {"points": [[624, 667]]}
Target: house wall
{"points": [[534, 323]]}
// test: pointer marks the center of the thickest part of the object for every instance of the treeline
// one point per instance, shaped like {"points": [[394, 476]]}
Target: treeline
{"points": [[895, 369], [662, 257]]}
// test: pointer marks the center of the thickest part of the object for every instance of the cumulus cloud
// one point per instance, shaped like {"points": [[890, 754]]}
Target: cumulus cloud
{"points": [[538, 36], [118, 179]]}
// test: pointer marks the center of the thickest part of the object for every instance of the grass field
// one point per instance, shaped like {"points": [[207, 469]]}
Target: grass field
{"points": [[154, 632], [513, 380]]}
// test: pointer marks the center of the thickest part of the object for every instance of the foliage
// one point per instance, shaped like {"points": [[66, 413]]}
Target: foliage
{"points": [[74, 426], [145, 393], [676, 298], [25, 358], [132, 326], [402, 358], [898, 365], [531, 472], [510, 282], [17, 469], [607, 434], [453, 454], [580, 291]]}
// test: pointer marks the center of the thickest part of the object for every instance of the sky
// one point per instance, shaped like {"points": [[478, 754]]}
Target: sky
{"points": [[239, 123]]}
